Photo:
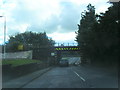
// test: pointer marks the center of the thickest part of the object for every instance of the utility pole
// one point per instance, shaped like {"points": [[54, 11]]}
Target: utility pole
{"points": [[4, 35]]}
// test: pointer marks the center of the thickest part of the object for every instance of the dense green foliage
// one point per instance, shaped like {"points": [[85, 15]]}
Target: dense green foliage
{"points": [[28, 38], [98, 35], [41, 45]]}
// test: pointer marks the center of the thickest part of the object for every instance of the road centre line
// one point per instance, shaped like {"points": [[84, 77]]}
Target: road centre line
{"points": [[79, 76]]}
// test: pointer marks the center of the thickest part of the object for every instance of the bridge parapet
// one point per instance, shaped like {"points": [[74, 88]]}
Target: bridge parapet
{"points": [[66, 44], [67, 48]]}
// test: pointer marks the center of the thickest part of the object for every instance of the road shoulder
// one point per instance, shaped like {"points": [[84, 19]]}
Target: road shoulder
{"points": [[21, 81]]}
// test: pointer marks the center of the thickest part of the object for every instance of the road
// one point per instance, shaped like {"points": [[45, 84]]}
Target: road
{"points": [[75, 77], [68, 77], [59, 77], [73, 60]]}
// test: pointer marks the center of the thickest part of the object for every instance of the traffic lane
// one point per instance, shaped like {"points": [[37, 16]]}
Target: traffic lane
{"points": [[98, 77], [72, 60], [59, 77]]}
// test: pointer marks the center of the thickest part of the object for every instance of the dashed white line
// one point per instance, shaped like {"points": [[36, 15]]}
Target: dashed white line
{"points": [[79, 76]]}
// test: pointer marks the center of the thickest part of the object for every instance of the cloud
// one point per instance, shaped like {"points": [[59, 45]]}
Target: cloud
{"points": [[102, 7], [59, 37], [46, 13], [69, 16], [37, 13], [52, 24], [60, 16]]}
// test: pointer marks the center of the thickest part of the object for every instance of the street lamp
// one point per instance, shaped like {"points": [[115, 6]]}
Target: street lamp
{"points": [[4, 34]]}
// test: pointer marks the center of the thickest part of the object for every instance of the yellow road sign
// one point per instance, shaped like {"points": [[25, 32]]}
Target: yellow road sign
{"points": [[20, 47]]}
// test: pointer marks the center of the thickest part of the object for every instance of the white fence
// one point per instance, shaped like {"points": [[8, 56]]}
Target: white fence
{"points": [[18, 55]]}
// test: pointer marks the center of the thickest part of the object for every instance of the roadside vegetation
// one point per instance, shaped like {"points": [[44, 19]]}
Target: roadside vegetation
{"points": [[39, 43], [97, 35], [19, 62]]}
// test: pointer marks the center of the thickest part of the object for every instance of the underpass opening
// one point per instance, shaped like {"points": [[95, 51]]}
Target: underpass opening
{"points": [[69, 52]]}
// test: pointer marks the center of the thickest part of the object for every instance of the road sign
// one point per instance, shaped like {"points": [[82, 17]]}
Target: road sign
{"points": [[20, 47]]}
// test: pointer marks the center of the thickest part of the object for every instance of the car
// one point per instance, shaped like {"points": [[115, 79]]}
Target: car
{"points": [[64, 62]]}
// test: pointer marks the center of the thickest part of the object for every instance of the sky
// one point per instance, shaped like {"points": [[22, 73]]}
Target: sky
{"points": [[58, 18]]}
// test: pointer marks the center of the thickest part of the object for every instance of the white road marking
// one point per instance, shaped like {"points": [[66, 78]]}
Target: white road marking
{"points": [[79, 76]]}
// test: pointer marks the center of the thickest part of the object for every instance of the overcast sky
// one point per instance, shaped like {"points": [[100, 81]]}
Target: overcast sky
{"points": [[58, 18]]}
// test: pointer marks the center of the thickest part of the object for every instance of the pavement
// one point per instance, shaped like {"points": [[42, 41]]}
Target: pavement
{"points": [[22, 81]]}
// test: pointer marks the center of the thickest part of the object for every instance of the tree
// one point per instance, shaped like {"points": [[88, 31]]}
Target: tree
{"points": [[108, 33], [41, 45], [98, 35], [88, 19]]}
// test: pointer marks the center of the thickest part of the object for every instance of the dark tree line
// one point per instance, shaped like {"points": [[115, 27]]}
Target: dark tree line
{"points": [[41, 45], [97, 35]]}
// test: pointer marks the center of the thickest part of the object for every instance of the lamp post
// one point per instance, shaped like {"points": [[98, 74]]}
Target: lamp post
{"points": [[4, 34]]}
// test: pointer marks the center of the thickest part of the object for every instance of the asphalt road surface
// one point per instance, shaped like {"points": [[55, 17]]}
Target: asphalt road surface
{"points": [[75, 77], [59, 77], [68, 77]]}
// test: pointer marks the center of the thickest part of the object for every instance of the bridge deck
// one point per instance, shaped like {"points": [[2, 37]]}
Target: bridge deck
{"points": [[67, 48]]}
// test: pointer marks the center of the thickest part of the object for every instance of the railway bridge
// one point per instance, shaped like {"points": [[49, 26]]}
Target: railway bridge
{"points": [[66, 51]]}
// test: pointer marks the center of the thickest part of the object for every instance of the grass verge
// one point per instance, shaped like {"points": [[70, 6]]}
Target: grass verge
{"points": [[19, 62]]}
